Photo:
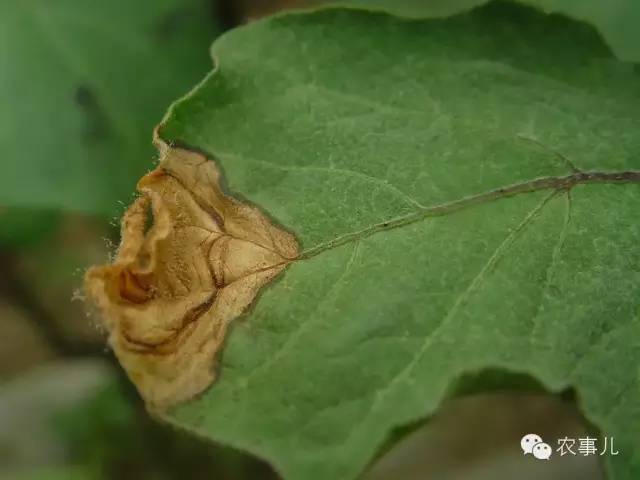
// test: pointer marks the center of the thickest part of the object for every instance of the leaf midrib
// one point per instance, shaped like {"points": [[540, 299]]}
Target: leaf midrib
{"points": [[557, 183]]}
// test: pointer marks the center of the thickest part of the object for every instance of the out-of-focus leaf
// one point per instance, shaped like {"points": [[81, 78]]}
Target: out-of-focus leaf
{"points": [[54, 473], [82, 84], [20, 227]]}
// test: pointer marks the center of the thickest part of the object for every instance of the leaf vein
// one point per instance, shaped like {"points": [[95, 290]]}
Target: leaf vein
{"points": [[473, 285]]}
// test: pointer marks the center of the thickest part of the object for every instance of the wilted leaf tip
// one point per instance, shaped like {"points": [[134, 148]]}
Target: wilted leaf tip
{"points": [[191, 259]]}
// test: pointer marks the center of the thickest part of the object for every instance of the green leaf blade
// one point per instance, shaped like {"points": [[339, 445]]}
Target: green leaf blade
{"points": [[421, 165]]}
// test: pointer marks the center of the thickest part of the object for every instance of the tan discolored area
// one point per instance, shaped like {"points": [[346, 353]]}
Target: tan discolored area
{"points": [[191, 260]]}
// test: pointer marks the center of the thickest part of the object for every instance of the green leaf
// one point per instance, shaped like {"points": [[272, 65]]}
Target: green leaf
{"points": [[83, 84], [413, 8], [20, 227], [466, 192], [617, 20]]}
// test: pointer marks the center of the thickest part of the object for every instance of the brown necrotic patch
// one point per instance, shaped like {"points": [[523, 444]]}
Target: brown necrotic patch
{"points": [[176, 283]]}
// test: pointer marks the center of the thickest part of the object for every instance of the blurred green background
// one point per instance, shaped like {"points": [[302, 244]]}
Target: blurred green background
{"points": [[82, 84]]}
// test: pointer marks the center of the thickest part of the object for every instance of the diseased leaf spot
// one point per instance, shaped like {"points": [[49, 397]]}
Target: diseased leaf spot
{"points": [[174, 286]]}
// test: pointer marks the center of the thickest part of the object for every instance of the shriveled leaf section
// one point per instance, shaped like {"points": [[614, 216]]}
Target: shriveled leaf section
{"points": [[191, 260], [466, 195]]}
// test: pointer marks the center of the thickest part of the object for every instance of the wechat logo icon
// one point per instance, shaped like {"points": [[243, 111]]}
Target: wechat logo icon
{"points": [[533, 444]]}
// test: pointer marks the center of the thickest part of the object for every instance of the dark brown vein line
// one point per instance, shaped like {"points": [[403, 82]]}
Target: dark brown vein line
{"points": [[209, 210], [563, 183]]}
